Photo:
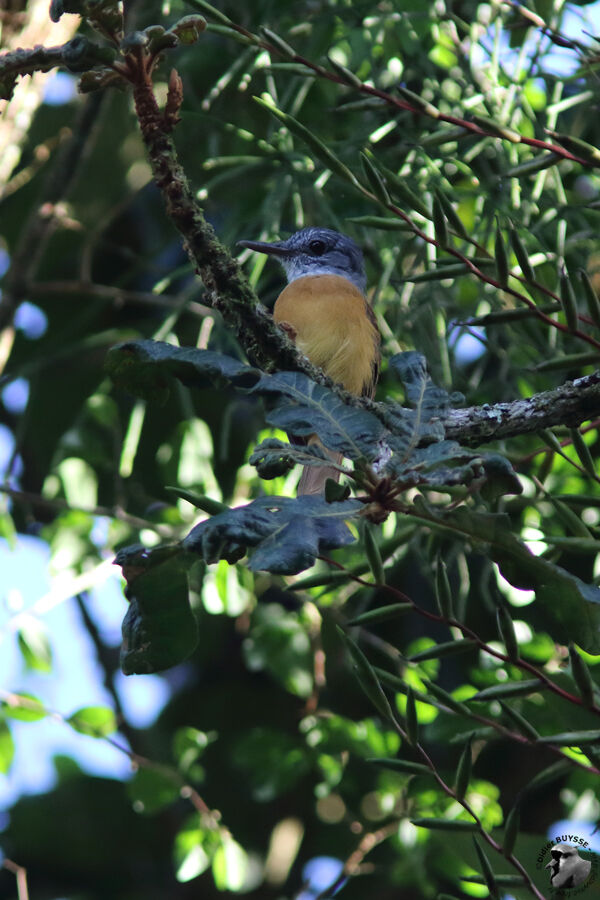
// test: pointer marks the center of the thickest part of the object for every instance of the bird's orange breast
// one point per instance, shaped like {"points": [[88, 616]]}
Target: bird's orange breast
{"points": [[333, 329]]}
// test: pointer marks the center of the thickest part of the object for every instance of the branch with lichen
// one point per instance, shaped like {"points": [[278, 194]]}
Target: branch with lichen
{"points": [[227, 289]]}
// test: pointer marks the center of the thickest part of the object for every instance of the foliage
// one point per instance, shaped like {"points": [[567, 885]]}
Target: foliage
{"points": [[458, 582]]}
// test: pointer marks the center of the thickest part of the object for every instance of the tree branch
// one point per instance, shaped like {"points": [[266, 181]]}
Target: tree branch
{"points": [[570, 404]]}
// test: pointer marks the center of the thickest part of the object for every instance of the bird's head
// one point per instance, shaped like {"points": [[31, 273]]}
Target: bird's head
{"points": [[316, 251]]}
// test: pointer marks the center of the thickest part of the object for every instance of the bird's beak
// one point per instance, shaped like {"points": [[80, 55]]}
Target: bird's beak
{"points": [[551, 863], [277, 248]]}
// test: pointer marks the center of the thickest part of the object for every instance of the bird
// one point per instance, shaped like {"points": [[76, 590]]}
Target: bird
{"points": [[324, 309], [567, 868]]}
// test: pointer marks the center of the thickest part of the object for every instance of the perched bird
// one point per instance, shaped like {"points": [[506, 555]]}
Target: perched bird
{"points": [[567, 868], [325, 311]]}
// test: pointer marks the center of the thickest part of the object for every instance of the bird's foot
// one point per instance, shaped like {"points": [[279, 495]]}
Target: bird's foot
{"points": [[289, 330]]}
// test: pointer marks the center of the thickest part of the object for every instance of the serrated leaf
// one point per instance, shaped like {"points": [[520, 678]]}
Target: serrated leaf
{"points": [[280, 534]]}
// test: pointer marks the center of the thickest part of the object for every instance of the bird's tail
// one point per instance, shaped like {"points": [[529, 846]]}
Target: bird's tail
{"points": [[313, 478]]}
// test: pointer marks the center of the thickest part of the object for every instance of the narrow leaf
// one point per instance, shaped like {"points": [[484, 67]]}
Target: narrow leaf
{"points": [[381, 614], [521, 254], [446, 698], [583, 452], [593, 303], [486, 870], [452, 216], [572, 738], [445, 824], [440, 651], [569, 303], [375, 180], [511, 830], [501, 257], [463, 771], [282, 46], [507, 633], [443, 594], [509, 689], [402, 765], [520, 721], [581, 676], [496, 129], [417, 102], [412, 722], [367, 678], [321, 151], [348, 76], [439, 222], [373, 555]]}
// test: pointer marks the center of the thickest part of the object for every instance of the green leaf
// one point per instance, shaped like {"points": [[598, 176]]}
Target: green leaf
{"points": [[440, 651], [402, 765], [24, 707], [35, 646], [445, 824], [443, 594], [511, 830], [520, 721], [320, 150], [95, 721], [159, 628], [463, 771], [581, 676], [279, 642], [367, 678], [486, 870], [7, 748], [501, 257], [507, 633], [153, 788], [381, 614], [412, 722], [571, 738], [188, 746], [373, 555], [439, 222], [509, 689], [229, 865], [576, 617]]}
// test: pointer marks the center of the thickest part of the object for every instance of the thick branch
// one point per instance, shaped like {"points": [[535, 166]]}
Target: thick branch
{"points": [[570, 404], [228, 290]]}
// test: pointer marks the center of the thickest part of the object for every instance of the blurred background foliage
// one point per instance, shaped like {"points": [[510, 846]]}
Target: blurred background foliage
{"points": [[266, 721]]}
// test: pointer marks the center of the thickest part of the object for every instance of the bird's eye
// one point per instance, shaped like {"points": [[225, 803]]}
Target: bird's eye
{"points": [[317, 247]]}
